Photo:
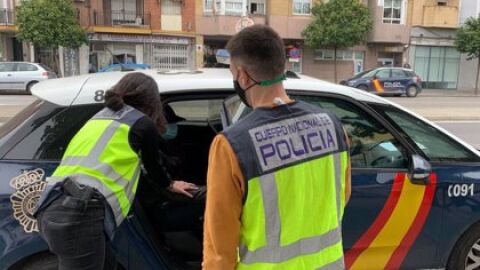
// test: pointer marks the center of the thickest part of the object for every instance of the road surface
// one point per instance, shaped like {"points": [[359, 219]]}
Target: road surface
{"points": [[466, 130]]}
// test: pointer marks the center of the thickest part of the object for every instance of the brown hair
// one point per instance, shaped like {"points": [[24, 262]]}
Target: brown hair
{"points": [[260, 50], [139, 91]]}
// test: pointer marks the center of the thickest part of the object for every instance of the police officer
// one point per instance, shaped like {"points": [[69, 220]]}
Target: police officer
{"points": [[93, 188], [278, 180]]}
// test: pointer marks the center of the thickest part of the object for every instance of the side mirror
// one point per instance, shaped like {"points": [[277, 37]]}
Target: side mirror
{"points": [[420, 170]]}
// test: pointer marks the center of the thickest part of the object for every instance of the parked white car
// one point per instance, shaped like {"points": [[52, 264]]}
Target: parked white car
{"points": [[23, 75]]}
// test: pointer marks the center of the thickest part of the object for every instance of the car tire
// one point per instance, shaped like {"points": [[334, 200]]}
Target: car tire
{"points": [[43, 261], [412, 91], [362, 87], [467, 247], [29, 87]]}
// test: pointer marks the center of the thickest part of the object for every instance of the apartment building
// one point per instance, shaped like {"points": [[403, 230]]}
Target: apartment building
{"points": [[387, 43], [431, 50], [10, 48], [160, 33], [468, 69]]}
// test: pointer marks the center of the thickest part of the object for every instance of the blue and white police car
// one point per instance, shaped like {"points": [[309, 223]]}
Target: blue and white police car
{"points": [[393, 81], [415, 187]]}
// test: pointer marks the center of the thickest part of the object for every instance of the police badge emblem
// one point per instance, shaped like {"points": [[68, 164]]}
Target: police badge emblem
{"points": [[29, 186]]}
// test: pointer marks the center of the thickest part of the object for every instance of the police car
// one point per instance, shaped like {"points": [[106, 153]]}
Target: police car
{"points": [[395, 81], [415, 187]]}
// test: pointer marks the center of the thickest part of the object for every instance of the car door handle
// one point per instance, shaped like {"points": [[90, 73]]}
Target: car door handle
{"points": [[9, 75]]}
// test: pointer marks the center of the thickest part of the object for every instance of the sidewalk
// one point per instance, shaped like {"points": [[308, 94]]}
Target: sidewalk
{"points": [[447, 93]]}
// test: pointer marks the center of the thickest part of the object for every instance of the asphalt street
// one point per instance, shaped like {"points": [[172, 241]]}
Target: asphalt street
{"points": [[469, 131], [459, 115]]}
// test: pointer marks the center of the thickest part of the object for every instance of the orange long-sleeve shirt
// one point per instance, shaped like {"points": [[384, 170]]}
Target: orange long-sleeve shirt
{"points": [[225, 190]]}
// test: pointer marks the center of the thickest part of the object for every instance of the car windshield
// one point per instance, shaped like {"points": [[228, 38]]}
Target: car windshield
{"points": [[365, 74], [359, 75]]}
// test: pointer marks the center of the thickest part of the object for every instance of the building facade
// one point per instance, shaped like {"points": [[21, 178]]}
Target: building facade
{"points": [[160, 33], [468, 68], [10, 48], [388, 41], [218, 20], [432, 53]]}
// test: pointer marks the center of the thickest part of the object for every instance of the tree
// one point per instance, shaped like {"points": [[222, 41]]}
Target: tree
{"points": [[50, 24], [468, 41], [338, 24]]}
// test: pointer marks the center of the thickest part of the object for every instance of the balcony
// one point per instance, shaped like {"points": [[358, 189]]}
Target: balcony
{"points": [[440, 16], [121, 18], [7, 16]]}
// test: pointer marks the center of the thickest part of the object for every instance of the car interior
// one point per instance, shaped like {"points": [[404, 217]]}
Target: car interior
{"points": [[175, 220]]}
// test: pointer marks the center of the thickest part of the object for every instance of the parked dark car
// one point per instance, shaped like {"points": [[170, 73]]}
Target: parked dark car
{"points": [[395, 81]]}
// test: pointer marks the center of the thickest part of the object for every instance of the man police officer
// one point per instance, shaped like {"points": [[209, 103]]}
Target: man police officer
{"points": [[278, 180]]}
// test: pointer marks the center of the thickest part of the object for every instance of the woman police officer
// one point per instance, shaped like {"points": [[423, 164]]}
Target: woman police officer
{"points": [[93, 188]]}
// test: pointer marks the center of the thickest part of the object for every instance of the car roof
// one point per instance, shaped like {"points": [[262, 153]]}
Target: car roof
{"points": [[81, 89]]}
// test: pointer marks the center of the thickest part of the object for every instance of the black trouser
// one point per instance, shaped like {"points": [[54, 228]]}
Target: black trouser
{"points": [[74, 231]]}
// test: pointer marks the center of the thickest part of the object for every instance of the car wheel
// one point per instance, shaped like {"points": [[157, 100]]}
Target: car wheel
{"points": [[412, 91], [362, 87], [44, 261], [466, 253], [29, 87]]}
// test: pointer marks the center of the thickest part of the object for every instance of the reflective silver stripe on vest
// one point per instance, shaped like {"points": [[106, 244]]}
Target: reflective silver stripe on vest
{"points": [[273, 252], [336, 265], [92, 160], [338, 184]]}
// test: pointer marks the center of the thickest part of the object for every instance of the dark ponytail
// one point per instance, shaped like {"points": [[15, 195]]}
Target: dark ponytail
{"points": [[139, 91], [113, 100]]}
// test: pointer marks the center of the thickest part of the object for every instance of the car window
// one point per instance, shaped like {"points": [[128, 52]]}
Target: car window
{"points": [[26, 67], [6, 67], [372, 145], [197, 110], [369, 74], [20, 117], [383, 74], [436, 145], [360, 74], [50, 139], [398, 73]]}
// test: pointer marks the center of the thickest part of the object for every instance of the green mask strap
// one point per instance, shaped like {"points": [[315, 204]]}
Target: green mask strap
{"points": [[274, 81]]}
